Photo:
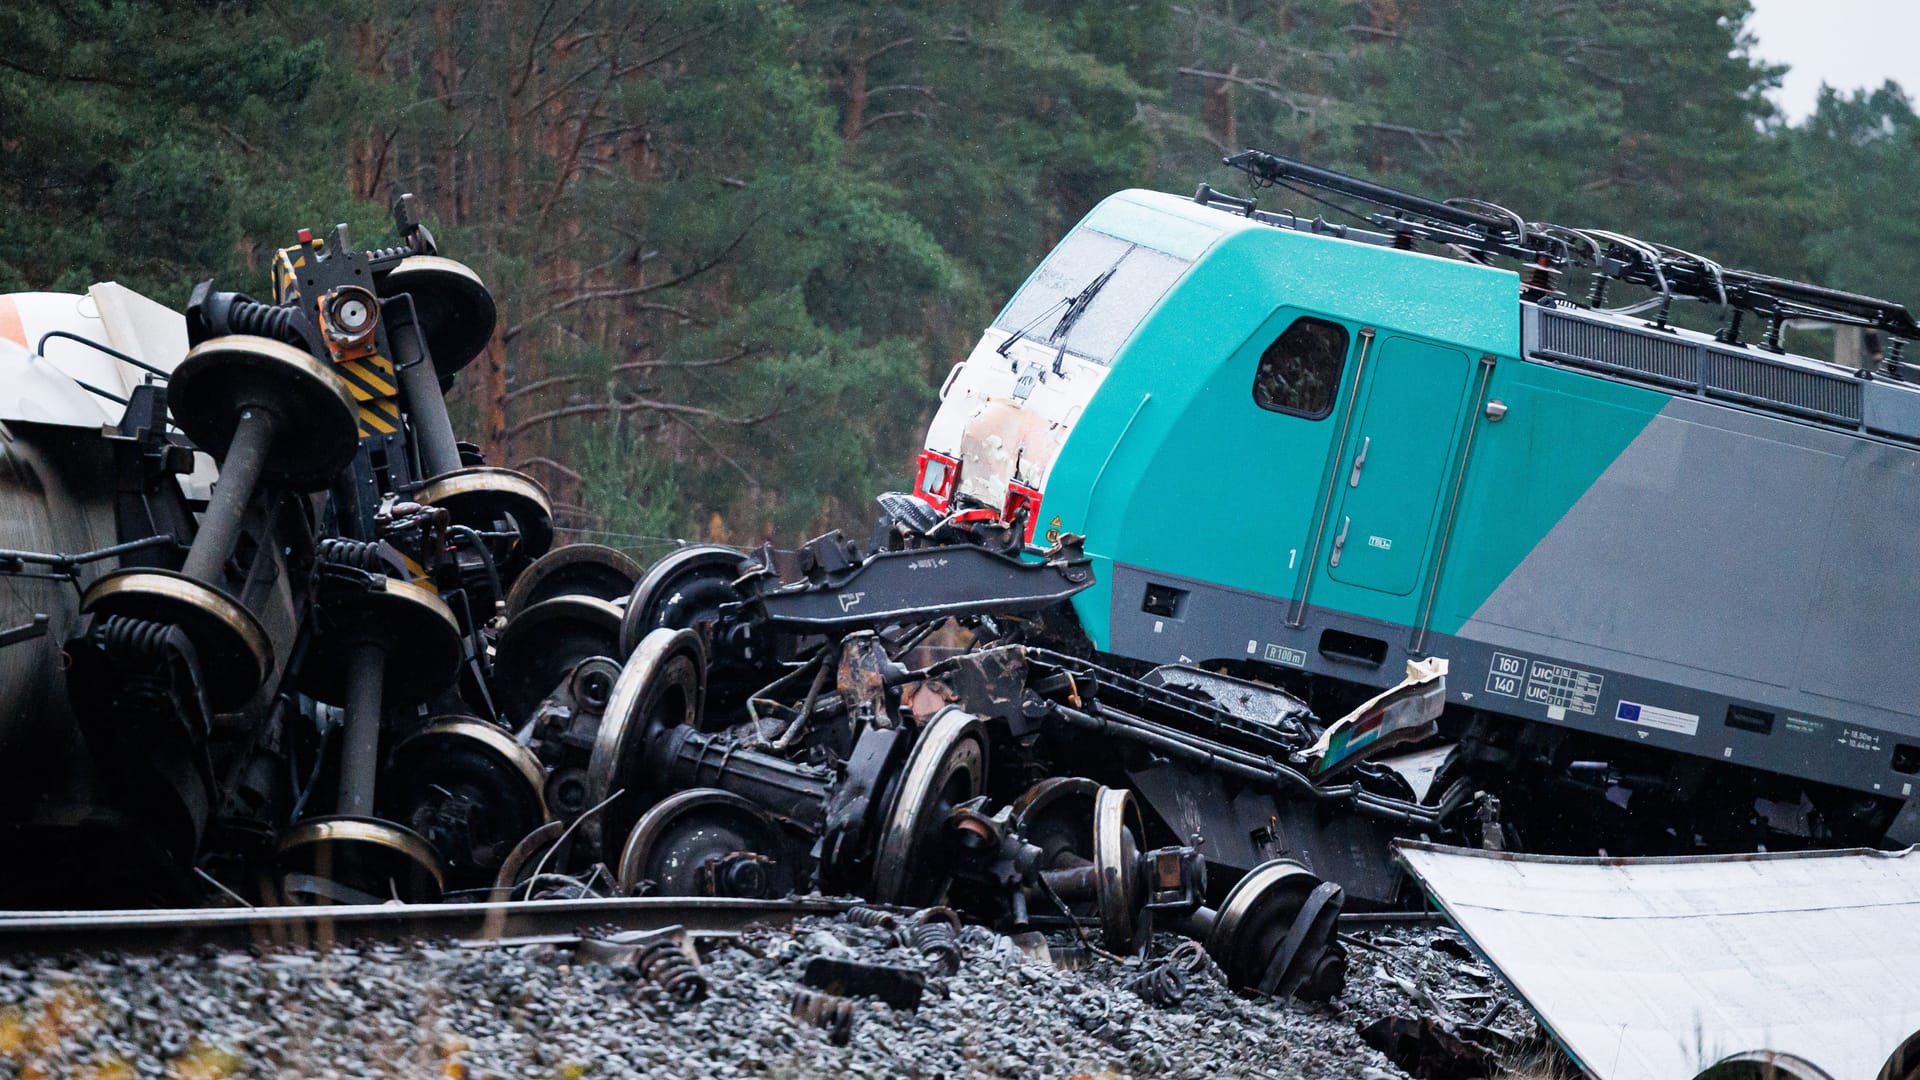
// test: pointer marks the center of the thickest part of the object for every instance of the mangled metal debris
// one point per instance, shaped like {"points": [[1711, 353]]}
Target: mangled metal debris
{"points": [[900, 987], [1790, 965], [363, 677]]}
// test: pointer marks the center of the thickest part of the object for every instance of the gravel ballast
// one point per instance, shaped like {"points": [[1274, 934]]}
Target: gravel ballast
{"points": [[532, 1011]]}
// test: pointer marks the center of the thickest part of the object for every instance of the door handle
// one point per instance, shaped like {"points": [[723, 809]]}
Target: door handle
{"points": [[1339, 542], [1360, 461]]}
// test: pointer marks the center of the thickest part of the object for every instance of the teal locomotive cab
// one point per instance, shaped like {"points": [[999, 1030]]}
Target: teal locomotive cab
{"points": [[1283, 430]]}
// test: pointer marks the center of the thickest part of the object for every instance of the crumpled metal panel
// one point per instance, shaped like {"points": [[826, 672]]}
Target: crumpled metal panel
{"points": [[1652, 969], [43, 390]]}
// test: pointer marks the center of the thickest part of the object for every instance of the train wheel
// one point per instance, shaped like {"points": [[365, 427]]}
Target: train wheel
{"points": [[574, 570], [456, 312], [542, 643], [686, 591], [661, 685], [316, 423], [706, 842], [1763, 1065], [681, 591], [353, 860], [233, 650], [469, 789], [1056, 816], [947, 766], [1904, 1062], [1275, 933], [1120, 892], [519, 865], [413, 628], [489, 499]]}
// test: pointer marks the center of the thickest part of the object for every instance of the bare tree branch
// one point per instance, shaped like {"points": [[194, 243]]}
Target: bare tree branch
{"points": [[564, 86], [549, 463], [1451, 138], [621, 408], [896, 43], [676, 312], [1301, 104], [752, 480], [897, 114], [621, 369], [595, 295], [527, 65], [667, 52]]}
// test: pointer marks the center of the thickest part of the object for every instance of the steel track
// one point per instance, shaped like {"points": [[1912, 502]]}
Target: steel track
{"points": [[169, 929]]}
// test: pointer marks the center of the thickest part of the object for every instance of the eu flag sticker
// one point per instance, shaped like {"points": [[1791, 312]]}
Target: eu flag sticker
{"points": [[1653, 716]]}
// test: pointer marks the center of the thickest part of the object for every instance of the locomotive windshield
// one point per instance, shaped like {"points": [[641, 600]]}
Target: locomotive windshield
{"points": [[1139, 277]]}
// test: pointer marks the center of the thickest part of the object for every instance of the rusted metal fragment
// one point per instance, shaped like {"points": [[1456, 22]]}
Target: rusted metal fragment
{"points": [[863, 676], [991, 682], [1429, 1048], [1645, 969], [899, 987]]}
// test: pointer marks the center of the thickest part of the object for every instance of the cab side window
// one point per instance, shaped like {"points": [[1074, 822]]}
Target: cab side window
{"points": [[1299, 374]]}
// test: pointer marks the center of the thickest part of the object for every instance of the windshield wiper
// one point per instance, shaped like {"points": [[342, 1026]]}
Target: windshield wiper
{"points": [[1076, 306], [1007, 345]]}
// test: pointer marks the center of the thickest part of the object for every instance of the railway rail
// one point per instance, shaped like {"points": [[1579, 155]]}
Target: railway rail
{"points": [[158, 929], [163, 929]]}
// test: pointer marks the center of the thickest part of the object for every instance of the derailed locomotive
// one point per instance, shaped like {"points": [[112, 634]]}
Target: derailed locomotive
{"points": [[1666, 566]]}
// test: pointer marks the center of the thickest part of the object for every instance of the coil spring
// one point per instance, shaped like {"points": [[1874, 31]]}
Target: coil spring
{"points": [[1191, 957], [267, 320], [129, 638], [1163, 984], [936, 933], [829, 1011], [666, 965], [861, 915], [364, 555]]}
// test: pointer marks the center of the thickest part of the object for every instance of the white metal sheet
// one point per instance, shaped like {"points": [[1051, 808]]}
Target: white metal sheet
{"points": [[46, 388], [1653, 969]]}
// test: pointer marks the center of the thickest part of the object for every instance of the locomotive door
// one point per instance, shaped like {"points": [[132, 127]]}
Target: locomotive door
{"points": [[1396, 466]]}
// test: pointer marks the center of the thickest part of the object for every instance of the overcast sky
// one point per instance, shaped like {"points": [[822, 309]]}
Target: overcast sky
{"points": [[1846, 44]]}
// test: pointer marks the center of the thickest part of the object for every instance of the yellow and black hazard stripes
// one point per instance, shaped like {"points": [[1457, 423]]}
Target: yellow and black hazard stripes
{"points": [[418, 574], [375, 388]]}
